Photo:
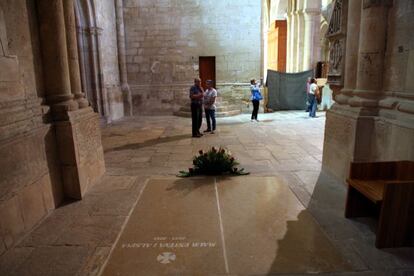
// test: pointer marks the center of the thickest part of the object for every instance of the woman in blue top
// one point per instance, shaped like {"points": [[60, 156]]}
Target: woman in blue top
{"points": [[256, 97]]}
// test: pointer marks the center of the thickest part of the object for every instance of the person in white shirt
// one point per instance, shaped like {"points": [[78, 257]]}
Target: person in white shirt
{"points": [[209, 100], [313, 93]]}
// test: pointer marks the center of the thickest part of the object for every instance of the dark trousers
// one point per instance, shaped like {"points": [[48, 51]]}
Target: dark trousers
{"points": [[255, 109], [313, 105], [196, 118], [210, 118]]}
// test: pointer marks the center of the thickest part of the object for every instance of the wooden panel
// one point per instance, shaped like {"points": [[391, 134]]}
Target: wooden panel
{"points": [[272, 47], [405, 170], [207, 67], [374, 190], [390, 185], [396, 223], [374, 170], [276, 46], [281, 27], [357, 205]]}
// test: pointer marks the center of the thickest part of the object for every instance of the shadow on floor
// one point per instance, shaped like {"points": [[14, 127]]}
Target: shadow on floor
{"points": [[306, 249], [354, 238], [149, 143]]}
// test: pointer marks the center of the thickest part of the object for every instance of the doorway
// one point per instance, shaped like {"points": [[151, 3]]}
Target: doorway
{"points": [[207, 67]]}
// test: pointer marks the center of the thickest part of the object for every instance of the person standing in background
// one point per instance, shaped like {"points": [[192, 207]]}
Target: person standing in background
{"points": [[313, 102], [308, 83], [196, 96], [256, 97], [210, 95]]}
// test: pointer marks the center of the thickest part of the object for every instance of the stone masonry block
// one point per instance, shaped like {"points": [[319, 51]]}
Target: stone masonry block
{"points": [[81, 152], [11, 223], [32, 204]]}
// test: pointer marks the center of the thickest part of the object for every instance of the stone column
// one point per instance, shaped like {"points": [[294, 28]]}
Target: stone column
{"points": [[55, 58], [372, 44], [289, 44], [77, 133], [72, 46], [315, 43], [121, 57], [300, 53], [351, 57], [296, 38], [307, 35]]}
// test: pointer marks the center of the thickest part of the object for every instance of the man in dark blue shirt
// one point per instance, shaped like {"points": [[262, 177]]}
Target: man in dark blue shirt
{"points": [[196, 96]]}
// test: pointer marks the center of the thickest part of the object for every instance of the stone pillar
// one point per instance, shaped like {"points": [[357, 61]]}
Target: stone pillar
{"points": [[78, 137], [351, 57], [296, 38], [289, 43], [315, 43], [301, 55], [55, 58], [311, 14], [307, 43], [121, 57], [372, 44], [74, 70]]}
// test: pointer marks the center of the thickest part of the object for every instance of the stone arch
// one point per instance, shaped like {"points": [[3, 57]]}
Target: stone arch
{"points": [[89, 54]]}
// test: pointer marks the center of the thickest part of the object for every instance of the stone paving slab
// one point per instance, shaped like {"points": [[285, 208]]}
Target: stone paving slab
{"points": [[233, 226], [267, 230], [173, 230]]}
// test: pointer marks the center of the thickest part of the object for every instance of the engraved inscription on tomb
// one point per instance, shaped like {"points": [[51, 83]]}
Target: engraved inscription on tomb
{"points": [[170, 243]]}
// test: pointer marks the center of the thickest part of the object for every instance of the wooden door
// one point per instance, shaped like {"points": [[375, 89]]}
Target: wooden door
{"points": [[276, 46], [281, 26], [207, 67]]}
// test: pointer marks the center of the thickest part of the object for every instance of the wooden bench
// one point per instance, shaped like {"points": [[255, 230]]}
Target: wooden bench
{"points": [[384, 190]]}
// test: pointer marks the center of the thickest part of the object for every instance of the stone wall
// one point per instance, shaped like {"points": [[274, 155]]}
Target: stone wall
{"points": [[30, 184], [166, 38], [50, 148]]}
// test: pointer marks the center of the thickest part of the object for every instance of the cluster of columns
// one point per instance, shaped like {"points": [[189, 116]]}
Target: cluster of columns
{"points": [[61, 73], [365, 52], [75, 123], [120, 28], [303, 21]]}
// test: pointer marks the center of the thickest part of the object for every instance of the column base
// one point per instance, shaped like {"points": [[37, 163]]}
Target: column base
{"points": [[339, 142], [361, 102], [81, 100], [360, 134], [80, 151]]}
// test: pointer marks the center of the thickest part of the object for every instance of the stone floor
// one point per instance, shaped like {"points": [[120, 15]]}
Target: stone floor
{"points": [[77, 238]]}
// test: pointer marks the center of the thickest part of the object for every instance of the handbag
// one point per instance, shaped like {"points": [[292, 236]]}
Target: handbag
{"points": [[257, 96]]}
